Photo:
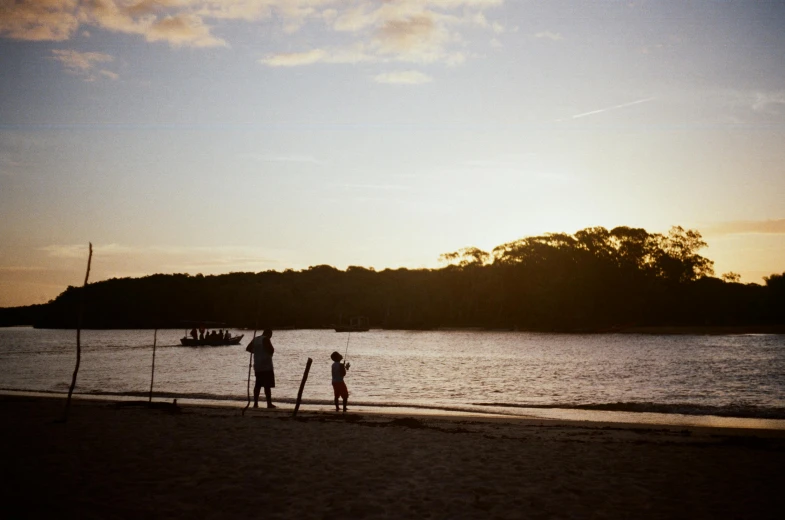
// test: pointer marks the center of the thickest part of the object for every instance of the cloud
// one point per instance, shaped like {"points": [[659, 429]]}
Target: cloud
{"points": [[769, 102], [84, 64], [408, 77], [295, 59], [173, 258], [176, 22], [346, 55], [747, 227], [607, 109], [188, 30], [418, 38], [44, 20], [65, 251], [742, 106], [168, 21], [19, 268], [549, 35], [382, 187], [301, 159], [412, 31]]}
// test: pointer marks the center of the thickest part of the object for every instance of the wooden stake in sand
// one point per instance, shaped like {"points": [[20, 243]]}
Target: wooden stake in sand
{"points": [[152, 375], [78, 337], [302, 386]]}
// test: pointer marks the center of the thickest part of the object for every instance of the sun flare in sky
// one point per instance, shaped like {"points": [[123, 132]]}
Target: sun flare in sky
{"points": [[211, 136]]}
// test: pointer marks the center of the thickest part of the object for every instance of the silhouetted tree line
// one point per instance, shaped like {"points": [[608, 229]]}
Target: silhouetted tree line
{"points": [[594, 280]]}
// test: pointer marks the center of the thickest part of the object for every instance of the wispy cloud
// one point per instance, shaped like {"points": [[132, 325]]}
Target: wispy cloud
{"points": [[769, 102], [84, 64], [608, 109], [295, 59], [382, 187], [548, 35], [20, 268], [168, 258], [407, 77], [747, 227], [302, 159]]}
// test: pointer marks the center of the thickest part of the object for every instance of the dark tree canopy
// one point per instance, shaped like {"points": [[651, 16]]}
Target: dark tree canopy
{"points": [[594, 280]]}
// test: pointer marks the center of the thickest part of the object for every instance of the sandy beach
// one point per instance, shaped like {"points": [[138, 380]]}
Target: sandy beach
{"points": [[113, 460]]}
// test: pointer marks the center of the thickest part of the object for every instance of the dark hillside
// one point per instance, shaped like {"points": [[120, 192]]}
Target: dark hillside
{"points": [[594, 280]]}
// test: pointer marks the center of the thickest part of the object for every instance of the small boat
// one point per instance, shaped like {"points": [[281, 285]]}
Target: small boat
{"points": [[189, 341], [356, 324], [211, 342]]}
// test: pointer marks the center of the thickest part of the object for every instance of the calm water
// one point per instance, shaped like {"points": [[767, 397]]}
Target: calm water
{"points": [[742, 375]]}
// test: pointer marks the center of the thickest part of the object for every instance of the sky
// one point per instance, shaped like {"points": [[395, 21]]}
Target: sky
{"points": [[207, 136]]}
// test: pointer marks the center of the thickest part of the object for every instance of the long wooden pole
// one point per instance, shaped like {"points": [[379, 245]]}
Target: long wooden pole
{"points": [[152, 375], [302, 386], [250, 363], [250, 360], [80, 316]]}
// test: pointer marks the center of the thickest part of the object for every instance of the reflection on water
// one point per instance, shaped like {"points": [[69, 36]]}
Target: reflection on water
{"points": [[741, 376]]}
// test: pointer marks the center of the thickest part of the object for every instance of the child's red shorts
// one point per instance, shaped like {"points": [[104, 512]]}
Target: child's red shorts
{"points": [[341, 390]]}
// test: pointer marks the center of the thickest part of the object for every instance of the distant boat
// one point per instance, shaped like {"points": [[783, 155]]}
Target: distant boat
{"points": [[211, 342], [356, 324], [188, 341]]}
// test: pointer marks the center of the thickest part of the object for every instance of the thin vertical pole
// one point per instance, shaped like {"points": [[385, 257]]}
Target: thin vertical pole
{"points": [[80, 316], [250, 363], [250, 359], [152, 374], [302, 386]]}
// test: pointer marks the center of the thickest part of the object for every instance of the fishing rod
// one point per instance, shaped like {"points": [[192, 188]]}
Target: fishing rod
{"points": [[346, 353]]}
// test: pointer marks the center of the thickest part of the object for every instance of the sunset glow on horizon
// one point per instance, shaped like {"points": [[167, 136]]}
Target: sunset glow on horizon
{"points": [[207, 136]]}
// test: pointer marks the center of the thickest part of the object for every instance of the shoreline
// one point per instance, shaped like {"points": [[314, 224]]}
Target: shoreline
{"points": [[699, 330], [556, 414], [130, 460]]}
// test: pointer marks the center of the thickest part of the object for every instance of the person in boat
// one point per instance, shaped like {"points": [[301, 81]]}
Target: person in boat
{"points": [[263, 351], [201, 334], [193, 333], [227, 335], [339, 386]]}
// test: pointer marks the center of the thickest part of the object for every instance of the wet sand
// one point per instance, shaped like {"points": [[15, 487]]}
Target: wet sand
{"points": [[120, 460]]}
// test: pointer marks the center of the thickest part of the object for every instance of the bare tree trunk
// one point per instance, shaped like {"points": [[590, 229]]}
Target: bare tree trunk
{"points": [[78, 337], [152, 375]]}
